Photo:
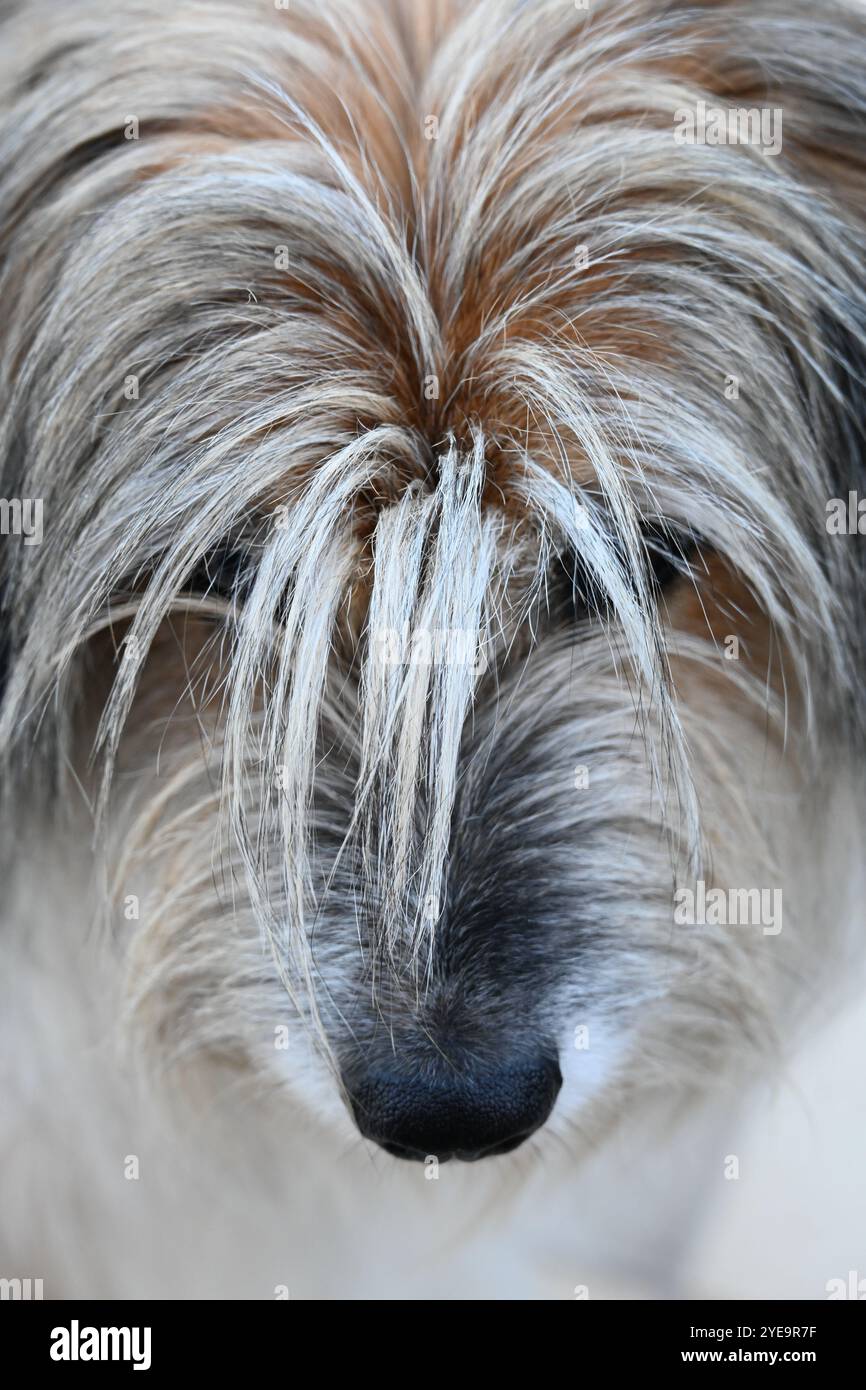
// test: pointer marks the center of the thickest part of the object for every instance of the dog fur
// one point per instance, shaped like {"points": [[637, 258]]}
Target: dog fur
{"points": [[338, 325]]}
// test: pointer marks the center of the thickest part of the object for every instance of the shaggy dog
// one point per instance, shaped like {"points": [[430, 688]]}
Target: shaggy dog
{"points": [[433, 626]]}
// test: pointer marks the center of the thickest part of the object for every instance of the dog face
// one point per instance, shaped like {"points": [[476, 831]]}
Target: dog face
{"points": [[435, 544]]}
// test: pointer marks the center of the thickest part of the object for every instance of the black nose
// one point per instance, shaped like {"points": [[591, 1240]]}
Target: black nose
{"points": [[446, 1111]]}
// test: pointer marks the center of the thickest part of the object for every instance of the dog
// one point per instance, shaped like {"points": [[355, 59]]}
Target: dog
{"points": [[433, 628]]}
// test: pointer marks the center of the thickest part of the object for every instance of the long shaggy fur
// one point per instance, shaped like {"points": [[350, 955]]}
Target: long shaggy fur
{"points": [[353, 322]]}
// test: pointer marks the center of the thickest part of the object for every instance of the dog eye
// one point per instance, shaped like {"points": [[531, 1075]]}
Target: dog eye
{"points": [[222, 574], [575, 595], [670, 552]]}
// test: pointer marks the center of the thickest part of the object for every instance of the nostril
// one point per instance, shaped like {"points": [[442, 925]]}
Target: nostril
{"points": [[470, 1112]]}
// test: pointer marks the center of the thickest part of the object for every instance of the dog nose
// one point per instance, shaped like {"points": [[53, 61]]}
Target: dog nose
{"points": [[447, 1112]]}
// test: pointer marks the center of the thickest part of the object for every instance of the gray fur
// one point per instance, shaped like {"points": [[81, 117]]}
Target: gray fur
{"points": [[260, 770]]}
